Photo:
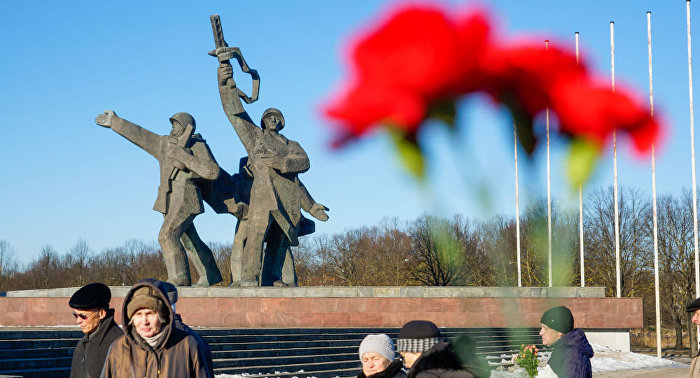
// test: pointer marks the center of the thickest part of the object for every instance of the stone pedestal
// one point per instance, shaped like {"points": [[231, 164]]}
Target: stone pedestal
{"points": [[261, 307]]}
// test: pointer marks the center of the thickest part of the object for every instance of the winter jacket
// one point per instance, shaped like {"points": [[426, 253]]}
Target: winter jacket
{"points": [[695, 366], [571, 355], [438, 361], [177, 355], [90, 353], [394, 370], [465, 348], [203, 346]]}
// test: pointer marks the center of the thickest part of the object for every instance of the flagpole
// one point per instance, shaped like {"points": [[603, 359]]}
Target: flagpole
{"points": [[692, 156], [617, 218], [549, 195], [654, 211], [692, 163], [517, 208], [580, 203]]}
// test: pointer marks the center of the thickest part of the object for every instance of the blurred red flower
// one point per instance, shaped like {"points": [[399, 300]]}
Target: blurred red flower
{"points": [[523, 76], [417, 58], [594, 111], [421, 58]]}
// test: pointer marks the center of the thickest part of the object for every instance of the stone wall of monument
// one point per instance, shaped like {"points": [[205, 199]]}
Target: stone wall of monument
{"points": [[351, 307]]}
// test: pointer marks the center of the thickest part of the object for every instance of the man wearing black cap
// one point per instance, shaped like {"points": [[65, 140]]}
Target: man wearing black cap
{"points": [[426, 354], [91, 310], [571, 352], [694, 308]]}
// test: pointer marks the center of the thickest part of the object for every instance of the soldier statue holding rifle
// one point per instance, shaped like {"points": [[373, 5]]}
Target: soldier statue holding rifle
{"points": [[277, 196], [185, 160]]}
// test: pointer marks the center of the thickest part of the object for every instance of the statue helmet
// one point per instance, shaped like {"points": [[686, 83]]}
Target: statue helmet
{"points": [[184, 119], [270, 111]]}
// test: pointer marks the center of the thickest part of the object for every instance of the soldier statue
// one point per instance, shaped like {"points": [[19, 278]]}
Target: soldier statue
{"points": [[185, 160]]}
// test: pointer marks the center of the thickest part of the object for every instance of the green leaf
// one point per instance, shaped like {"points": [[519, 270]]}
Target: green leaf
{"points": [[410, 154], [445, 111], [583, 155], [524, 127]]}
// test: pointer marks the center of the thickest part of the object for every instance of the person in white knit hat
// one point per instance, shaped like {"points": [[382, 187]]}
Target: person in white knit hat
{"points": [[378, 358]]}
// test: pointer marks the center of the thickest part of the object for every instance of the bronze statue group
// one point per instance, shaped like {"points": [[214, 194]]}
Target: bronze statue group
{"points": [[266, 194]]}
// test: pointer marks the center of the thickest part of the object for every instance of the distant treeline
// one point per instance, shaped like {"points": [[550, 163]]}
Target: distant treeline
{"points": [[444, 252]]}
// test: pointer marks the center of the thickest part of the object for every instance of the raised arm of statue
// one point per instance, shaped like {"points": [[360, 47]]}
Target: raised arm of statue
{"points": [[244, 126], [147, 140]]}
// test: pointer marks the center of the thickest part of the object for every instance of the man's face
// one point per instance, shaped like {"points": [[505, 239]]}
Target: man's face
{"points": [[147, 322], [549, 335], [409, 358], [696, 317], [88, 320], [272, 122], [373, 363], [178, 129]]}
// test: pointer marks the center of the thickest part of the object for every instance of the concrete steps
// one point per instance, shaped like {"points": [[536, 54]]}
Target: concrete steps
{"points": [[326, 352]]}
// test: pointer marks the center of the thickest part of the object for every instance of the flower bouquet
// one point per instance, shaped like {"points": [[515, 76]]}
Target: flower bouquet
{"points": [[527, 359]]}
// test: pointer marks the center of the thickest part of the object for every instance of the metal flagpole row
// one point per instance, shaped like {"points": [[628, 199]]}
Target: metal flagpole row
{"points": [[617, 219], [653, 195], [580, 201], [517, 207]]}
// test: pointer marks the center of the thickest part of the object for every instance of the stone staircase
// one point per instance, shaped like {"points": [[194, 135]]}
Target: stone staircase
{"points": [[300, 352]]}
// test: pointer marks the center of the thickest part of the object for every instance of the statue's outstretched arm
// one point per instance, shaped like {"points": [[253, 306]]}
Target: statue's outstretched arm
{"points": [[244, 126], [147, 140], [310, 205]]}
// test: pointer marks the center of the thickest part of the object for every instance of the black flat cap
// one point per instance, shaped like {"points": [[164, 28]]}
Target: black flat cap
{"points": [[693, 306], [94, 295]]}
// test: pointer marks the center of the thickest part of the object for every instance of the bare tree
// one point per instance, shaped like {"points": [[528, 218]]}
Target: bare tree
{"points": [[8, 264], [222, 255], [675, 225], [78, 262], [437, 257], [635, 242], [534, 245], [44, 272], [497, 262]]}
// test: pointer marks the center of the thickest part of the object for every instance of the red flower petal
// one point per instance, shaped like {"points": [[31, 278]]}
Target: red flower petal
{"points": [[595, 111], [371, 103]]}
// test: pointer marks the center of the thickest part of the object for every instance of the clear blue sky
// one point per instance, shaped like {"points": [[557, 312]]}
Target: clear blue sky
{"points": [[63, 178]]}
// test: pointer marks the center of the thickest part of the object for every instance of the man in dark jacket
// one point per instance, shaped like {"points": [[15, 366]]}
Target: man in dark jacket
{"points": [[571, 352], [153, 344], [91, 310], [426, 354]]}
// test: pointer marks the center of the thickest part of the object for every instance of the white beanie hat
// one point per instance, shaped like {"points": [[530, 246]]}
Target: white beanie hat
{"points": [[380, 343]]}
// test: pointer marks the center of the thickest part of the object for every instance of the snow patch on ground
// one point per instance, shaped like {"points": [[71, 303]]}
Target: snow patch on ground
{"points": [[609, 359], [605, 359]]}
